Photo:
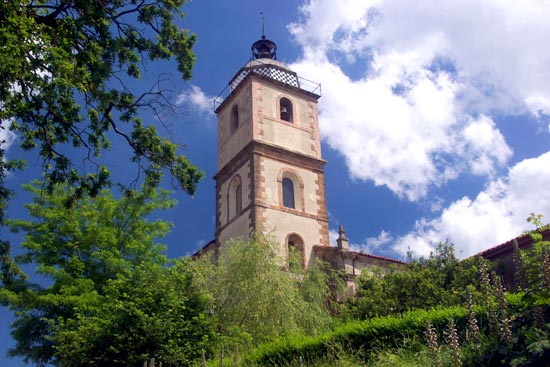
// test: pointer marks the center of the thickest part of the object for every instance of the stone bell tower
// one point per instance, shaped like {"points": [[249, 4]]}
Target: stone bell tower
{"points": [[270, 170]]}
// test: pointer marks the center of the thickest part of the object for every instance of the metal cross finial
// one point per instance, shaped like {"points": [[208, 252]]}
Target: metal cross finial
{"points": [[264, 48], [263, 24]]}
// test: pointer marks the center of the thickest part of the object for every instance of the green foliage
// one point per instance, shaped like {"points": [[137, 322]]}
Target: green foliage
{"points": [[152, 312], [530, 341], [440, 280], [504, 328], [537, 268], [402, 357], [254, 299], [105, 295], [67, 87], [94, 238], [536, 219], [62, 82], [363, 337]]}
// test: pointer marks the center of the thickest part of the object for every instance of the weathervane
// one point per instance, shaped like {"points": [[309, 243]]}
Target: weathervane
{"points": [[263, 24], [264, 48]]}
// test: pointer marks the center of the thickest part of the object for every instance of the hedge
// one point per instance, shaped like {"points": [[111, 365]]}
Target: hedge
{"points": [[358, 336]]}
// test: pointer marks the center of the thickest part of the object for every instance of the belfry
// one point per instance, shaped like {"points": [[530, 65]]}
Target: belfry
{"points": [[270, 173]]}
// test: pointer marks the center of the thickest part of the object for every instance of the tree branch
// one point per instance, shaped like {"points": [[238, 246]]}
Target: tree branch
{"points": [[50, 19]]}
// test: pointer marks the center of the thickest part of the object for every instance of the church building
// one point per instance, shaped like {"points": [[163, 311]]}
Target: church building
{"points": [[270, 173]]}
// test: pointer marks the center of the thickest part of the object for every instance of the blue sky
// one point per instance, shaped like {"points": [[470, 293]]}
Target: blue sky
{"points": [[435, 117]]}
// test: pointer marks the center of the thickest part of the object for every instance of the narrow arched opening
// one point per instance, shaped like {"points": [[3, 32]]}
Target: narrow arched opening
{"points": [[288, 193], [234, 118], [295, 252], [234, 198], [285, 110], [238, 199]]}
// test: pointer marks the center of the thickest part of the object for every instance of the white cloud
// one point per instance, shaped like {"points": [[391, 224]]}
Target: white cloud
{"points": [[196, 98], [415, 112], [487, 40], [404, 141], [382, 239], [324, 19], [485, 146], [332, 236], [371, 245], [6, 136], [496, 215]]}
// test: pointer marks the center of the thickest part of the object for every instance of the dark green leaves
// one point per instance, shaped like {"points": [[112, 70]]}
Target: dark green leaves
{"points": [[107, 295], [440, 280], [65, 71]]}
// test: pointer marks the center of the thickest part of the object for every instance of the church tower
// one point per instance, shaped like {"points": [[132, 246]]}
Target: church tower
{"points": [[270, 171]]}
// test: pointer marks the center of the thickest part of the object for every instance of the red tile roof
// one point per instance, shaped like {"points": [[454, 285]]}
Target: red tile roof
{"points": [[358, 254], [523, 240]]}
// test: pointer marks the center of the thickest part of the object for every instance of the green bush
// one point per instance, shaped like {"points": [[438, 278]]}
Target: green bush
{"points": [[360, 336], [437, 281]]}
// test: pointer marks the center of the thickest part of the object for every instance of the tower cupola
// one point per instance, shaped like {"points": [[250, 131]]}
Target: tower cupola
{"points": [[264, 49]]}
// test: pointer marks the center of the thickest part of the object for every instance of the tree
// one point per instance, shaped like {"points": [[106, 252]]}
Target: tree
{"points": [[154, 312], [254, 298], [439, 280], [106, 295], [66, 72], [533, 264]]}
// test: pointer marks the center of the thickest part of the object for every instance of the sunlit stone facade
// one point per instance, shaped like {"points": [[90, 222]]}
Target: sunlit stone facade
{"points": [[269, 143]]}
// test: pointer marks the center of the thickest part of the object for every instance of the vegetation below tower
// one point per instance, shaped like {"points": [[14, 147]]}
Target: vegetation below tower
{"points": [[436, 312], [109, 296]]}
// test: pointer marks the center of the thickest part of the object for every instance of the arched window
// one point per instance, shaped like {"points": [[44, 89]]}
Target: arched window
{"points": [[295, 245], [290, 189], [234, 198], [234, 118], [238, 199], [288, 193], [285, 108]]}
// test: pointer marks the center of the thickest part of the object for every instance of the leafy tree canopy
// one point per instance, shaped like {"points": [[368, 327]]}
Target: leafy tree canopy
{"points": [[439, 280], [65, 73], [255, 298], [106, 295], [154, 312], [68, 72]]}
